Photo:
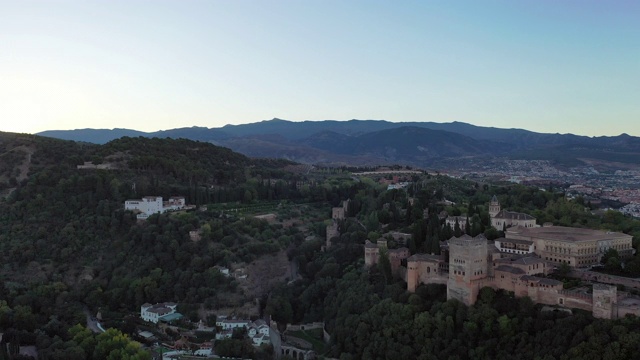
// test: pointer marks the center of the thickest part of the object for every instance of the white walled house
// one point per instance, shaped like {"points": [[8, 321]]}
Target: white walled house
{"points": [[146, 206], [461, 220], [205, 349], [155, 313], [150, 205], [514, 246], [260, 339], [232, 324], [258, 331], [224, 334], [258, 327], [174, 203]]}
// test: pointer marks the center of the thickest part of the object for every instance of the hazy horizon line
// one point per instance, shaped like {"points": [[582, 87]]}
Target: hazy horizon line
{"points": [[310, 120]]}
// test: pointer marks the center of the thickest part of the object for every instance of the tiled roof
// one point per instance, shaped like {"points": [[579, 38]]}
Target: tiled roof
{"points": [[398, 250], [369, 245], [504, 214], [425, 257], [515, 241], [509, 269], [545, 281], [563, 233], [520, 260]]}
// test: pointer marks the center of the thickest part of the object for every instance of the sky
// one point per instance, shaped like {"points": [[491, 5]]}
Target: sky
{"points": [[549, 66]]}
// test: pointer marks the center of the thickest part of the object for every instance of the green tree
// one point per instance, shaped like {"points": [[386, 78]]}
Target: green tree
{"points": [[112, 344], [385, 265], [564, 269]]}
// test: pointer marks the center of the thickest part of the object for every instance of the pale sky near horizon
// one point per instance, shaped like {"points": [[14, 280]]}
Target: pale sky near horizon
{"points": [[543, 65]]}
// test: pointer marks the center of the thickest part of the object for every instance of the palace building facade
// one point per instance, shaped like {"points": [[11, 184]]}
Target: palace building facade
{"points": [[475, 262]]}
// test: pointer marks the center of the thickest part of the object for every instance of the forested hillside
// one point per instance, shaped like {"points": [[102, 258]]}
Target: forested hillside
{"points": [[370, 315], [66, 243], [69, 250]]}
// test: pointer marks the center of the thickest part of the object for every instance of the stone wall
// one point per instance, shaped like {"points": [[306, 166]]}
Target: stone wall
{"points": [[309, 326], [573, 300], [622, 311], [607, 279]]}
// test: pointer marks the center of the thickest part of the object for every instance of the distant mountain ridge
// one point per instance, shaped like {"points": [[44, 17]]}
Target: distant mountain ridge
{"points": [[370, 142]]}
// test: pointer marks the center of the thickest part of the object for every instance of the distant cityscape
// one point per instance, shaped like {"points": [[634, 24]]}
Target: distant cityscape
{"points": [[616, 189]]}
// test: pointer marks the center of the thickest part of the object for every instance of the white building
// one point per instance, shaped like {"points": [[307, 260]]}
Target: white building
{"points": [[232, 324], [150, 205], [224, 334], [146, 206], [398, 186], [223, 270], [514, 246], [205, 350], [258, 327], [174, 203], [461, 220], [258, 331], [260, 339], [155, 313], [502, 219]]}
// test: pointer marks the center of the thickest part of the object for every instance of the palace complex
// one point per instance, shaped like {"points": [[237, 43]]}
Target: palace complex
{"points": [[518, 263]]}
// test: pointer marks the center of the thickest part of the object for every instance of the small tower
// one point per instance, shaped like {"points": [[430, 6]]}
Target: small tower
{"points": [[412, 273], [605, 298], [371, 253], [332, 231], [494, 207]]}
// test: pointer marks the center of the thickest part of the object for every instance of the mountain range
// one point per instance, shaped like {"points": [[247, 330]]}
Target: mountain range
{"points": [[370, 142]]}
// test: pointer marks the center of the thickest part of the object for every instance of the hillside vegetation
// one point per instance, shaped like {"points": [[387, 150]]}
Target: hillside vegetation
{"points": [[68, 250], [66, 242]]}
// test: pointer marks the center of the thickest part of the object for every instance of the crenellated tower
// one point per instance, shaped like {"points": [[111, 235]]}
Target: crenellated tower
{"points": [[467, 266]]}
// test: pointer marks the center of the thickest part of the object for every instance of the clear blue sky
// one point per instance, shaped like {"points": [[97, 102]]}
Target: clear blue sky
{"points": [[547, 66]]}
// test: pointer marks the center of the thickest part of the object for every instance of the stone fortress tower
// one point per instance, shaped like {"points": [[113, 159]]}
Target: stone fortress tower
{"points": [[467, 267], [605, 298], [337, 214]]}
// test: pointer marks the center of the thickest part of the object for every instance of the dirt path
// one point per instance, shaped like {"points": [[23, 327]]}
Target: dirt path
{"points": [[26, 165]]}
